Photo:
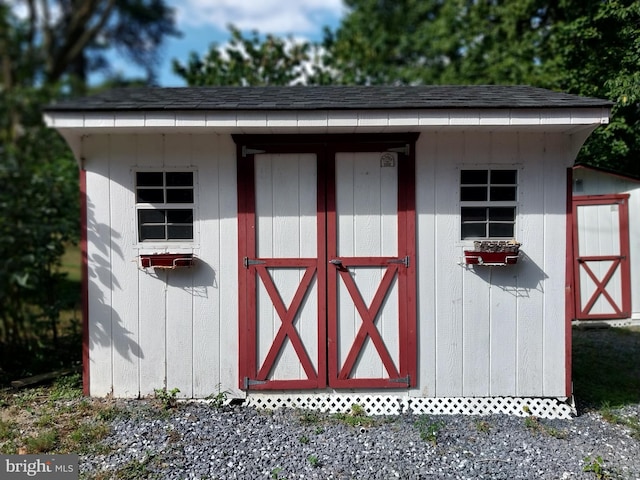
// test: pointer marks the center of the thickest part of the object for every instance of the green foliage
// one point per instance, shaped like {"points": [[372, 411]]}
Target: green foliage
{"points": [[168, 399], [597, 467], [248, 61], [44, 441], [428, 428], [314, 461], [614, 416], [218, 400]]}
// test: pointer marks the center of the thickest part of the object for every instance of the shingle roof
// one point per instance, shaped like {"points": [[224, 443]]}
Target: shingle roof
{"points": [[325, 98]]}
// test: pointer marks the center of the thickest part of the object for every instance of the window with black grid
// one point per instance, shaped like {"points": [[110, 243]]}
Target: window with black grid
{"points": [[488, 203], [165, 206]]}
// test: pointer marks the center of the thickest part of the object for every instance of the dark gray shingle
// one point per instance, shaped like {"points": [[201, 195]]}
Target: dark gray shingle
{"points": [[325, 98]]}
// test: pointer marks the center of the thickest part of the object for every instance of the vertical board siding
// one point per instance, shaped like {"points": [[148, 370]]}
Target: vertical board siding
{"points": [[286, 214], [96, 152], [366, 208], [482, 331], [554, 332], [128, 352], [494, 330], [161, 328]]}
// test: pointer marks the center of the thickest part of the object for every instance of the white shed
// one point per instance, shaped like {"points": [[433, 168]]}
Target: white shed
{"points": [[305, 246], [606, 246]]}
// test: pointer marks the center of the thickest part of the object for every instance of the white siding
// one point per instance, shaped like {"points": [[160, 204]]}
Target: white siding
{"points": [[161, 328], [496, 331], [483, 331]]}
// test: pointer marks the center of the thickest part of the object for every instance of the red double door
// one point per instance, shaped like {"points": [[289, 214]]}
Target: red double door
{"points": [[327, 262]]}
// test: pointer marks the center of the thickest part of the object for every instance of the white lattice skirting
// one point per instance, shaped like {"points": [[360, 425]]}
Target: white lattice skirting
{"points": [[394, 405]]}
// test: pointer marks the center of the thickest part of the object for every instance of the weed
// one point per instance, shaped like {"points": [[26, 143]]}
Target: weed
{"points": [[318, 430], [304, 439], [357, 417], [109, 413], [168, 399], [66, 388], [7, 430], [482, 426], [136, 470], [86, 435], [218, 400], [45, 420], [308, 417], [314, 461], [596, 466], [357, 410], [44, 442], [9, 448], [275, 474], [428, 429], [612, 416], [533, 423]]}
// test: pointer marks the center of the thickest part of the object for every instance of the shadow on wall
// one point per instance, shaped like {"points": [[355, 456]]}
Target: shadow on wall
{"points": [[106, 323], [518, 280]]}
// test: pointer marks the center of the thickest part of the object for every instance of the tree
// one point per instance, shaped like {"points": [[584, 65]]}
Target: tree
{"points": [[46, 53], [584, 47], [252, 61]]}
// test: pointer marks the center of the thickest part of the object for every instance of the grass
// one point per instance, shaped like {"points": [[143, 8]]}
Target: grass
{"points": [[606, 370]]}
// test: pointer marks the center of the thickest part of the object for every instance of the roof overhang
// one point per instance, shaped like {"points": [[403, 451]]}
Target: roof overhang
{"points": [[558, 120]]}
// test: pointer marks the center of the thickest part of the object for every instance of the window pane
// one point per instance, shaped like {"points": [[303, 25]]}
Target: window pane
{"points": [[180, 216], [180, 232], [149, 179], [152, 232], [503, 230], [502, 214], [151, 216], [504, 177], [180, 195], [473, 194], [473, 176], [150, 195], [474, 230], [179, 179], [503, 194], [474, 214]]}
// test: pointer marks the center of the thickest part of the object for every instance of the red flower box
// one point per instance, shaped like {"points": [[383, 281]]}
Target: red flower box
{"points": [[473, 257], [167, 260]]}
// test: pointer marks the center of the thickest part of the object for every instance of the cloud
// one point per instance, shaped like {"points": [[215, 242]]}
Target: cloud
{"points": [[266, 16]]}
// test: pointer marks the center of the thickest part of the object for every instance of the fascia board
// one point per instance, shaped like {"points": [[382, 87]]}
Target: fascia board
{"points": [[243, 120]]}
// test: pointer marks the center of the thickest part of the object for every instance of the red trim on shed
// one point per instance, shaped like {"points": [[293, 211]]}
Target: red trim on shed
{"points": [[84, 282], [569, 286], [620, 263]]}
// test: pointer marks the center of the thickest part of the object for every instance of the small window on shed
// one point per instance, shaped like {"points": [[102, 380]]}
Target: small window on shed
{"points": [[488, 201], [165, 206]]}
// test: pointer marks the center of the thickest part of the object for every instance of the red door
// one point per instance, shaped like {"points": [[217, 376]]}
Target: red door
{"points": [[601, 266], [327, 253]]}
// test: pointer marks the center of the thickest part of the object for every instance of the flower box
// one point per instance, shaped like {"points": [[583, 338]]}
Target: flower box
{"points": [[167, 260], [493, 253]]}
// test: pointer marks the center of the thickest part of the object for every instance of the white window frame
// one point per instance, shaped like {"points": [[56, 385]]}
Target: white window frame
{"points": [[189, 243], [489, 203]]}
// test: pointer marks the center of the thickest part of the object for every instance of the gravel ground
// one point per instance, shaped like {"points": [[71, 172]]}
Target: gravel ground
{"points": [[198, 441]]}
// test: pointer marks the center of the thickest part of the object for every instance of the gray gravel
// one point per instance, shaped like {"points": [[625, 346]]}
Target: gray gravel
{"points": [[197, 441]]}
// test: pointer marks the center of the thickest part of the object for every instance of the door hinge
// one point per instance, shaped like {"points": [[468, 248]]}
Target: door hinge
{"points": [[405, 150], [247, 262], [406, 380], [404, 261], [247, 382], [250, 151]]}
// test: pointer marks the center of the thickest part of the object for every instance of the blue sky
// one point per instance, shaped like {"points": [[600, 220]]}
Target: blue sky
{"points": [[204, 22]]}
